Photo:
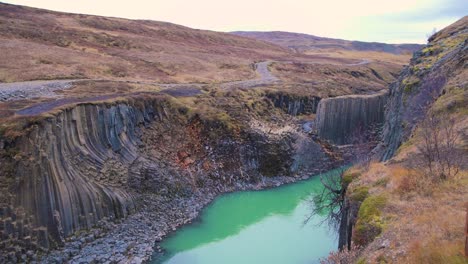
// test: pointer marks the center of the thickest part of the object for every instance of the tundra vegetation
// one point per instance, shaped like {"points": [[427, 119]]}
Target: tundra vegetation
{"points": [[410, 206]]}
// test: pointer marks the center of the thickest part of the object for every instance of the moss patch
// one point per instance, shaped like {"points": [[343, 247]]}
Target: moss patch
{"points": [[359, 194], [410, 84], [370, 223], [361, 261], [453, 100], [348, 177]]}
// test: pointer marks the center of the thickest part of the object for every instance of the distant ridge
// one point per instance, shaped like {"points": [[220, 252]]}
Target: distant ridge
{"points": [[303, 42]]}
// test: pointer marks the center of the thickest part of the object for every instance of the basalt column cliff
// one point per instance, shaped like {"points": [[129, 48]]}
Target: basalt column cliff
{"points": [[94, 161], [340, 119]]}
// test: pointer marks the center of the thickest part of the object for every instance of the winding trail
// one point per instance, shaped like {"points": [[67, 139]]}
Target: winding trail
{"points": [[360, 63], [32, 89], [265, 78], [46, 89]]}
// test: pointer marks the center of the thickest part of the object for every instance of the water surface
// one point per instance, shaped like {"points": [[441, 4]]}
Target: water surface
{"points": [[254, 227]]}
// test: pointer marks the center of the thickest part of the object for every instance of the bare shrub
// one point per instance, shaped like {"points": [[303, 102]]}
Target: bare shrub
{"points": [[431, 34], [344, 256], [330, 200], [440, 157]]}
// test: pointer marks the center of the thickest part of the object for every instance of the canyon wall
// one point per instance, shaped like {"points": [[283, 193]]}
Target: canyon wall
{"points": [[416, 90], [70, 169], [94, 161], [340, 119], [434, 83], [295, 105]]}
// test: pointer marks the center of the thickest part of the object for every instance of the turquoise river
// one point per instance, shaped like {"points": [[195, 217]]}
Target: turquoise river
{"points": [[254, 227]]}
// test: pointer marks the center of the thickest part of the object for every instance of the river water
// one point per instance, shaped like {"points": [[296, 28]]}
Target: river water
{"points": [[254, 227]]}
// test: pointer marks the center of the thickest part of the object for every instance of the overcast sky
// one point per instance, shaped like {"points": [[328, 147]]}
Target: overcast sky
{"points": [[391, 21]]}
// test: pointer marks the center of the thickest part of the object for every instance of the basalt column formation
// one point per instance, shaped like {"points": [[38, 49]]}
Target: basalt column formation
{"points": [[340, 119]]}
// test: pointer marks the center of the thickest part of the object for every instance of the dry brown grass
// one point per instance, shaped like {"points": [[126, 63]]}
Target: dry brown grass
{"points": [[423, 221], [401, 59], [40, 44], [327, 80], [309, 44], [435, 219]]}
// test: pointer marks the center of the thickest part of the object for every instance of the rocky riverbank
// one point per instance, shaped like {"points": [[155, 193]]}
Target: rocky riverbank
{"points": [[133, 240]]}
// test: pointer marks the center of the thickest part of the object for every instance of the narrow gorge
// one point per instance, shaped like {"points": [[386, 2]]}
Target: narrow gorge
{"points": [[97, 162]]}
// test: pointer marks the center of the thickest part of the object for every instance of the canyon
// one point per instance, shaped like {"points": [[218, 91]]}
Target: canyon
{"points": [[99, 161]]}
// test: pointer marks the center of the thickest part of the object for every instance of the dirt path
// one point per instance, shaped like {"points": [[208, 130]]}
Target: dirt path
{"points": [[360, 63], [46, 89], [265, 77], [47, 106], [32, 89], [35, 89]]}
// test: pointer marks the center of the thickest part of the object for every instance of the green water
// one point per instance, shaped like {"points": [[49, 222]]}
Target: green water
{"points": [[254, 227]]}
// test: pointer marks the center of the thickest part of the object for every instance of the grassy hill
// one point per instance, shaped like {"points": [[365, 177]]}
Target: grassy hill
{"points": [[313, 45], [41, 44], [303, 43], [412, 207]]}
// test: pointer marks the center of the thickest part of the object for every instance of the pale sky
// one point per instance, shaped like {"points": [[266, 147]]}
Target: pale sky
{"points": [[391, 21]]}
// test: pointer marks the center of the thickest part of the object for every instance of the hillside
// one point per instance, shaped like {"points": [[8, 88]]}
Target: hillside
{"points": [[412, 207], [336, 48], [41, 44], [104, 57], [302, 43], [45, 45]]}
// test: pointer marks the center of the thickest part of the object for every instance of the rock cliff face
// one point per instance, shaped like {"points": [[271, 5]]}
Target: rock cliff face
{"points": [[422, 82], [71, 168], [435, 81], [341, 118], [348, 218], [94, 161], [295, 105]]}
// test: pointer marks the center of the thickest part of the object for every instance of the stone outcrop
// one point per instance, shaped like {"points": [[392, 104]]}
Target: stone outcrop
{"points": [[70, 169], [348, 219], [341, 118], [420, 84], [295, 105]]}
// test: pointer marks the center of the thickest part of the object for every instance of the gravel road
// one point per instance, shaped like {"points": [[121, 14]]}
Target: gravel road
{"points": [[47, 89], [265, 78], [32, 89]]}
